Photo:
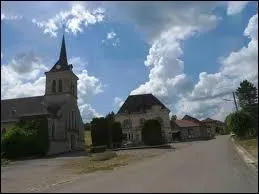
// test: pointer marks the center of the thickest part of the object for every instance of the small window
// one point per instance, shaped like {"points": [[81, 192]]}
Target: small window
{"points": [[60, 85], [142, 122], [54, 86]]}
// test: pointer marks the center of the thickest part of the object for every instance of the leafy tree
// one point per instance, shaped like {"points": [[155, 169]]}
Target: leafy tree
{"points": [[239, 123], [99, 131], [247, 100], [172, 121], [246, 94], [117, 135], [87, 126], [151, 133]]}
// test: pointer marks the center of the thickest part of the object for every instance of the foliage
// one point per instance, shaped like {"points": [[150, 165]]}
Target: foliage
{"points": [[105, 131], [26, 138], [99, 131], [151, 133], [246, 94], [239, 123], [87, 126], [117, 135]]}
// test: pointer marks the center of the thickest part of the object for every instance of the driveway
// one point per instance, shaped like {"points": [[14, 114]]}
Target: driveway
{"points": [[204, 166]]}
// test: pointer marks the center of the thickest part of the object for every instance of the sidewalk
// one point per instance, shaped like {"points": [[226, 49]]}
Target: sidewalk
{"points": [[250, 160]]}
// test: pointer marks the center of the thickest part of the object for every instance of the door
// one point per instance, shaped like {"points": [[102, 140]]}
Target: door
{"points": [[73, 142]]}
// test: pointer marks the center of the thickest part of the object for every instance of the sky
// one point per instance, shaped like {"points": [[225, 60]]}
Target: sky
{"points": [[190, 55]]}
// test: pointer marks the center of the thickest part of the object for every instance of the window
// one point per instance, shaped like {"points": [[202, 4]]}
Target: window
{"points": [[54, 86], [53, 128], [127, 124], [60, 85], [142, 122]]}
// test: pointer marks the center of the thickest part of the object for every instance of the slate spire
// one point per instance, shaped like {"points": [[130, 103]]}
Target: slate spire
{"points": [[63, 53]]}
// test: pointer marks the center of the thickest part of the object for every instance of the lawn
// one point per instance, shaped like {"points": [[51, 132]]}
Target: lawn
{"points": [[88, 139], [251, 145], [87, 164]]}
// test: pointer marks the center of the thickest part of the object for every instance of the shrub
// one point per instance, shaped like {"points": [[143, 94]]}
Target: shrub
{"points": [[117, 135], [26, 138], [151, 133], [239, 123]]}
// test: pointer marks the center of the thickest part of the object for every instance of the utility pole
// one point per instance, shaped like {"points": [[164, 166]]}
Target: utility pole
{"points": [[235, 101]]}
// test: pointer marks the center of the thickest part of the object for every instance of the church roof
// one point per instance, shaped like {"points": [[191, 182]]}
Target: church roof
{"points": [[62, 61], [138, 103], [11, 109]]}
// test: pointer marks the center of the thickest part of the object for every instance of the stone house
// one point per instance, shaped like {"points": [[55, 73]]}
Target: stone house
{"points": [[139, 108], [192, 129], [215, 125], [58, 106]]}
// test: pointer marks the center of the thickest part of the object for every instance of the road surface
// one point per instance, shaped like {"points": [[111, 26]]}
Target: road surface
{"points": [[205, 166]]}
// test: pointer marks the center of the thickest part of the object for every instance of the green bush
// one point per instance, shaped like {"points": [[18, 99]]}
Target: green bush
{"points": [[26, 138], [151, 133], [239, 123]]}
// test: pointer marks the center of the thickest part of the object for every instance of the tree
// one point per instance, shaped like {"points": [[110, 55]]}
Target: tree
{"points": [[151, 133], [239, 123], [246, 94], [99, 131], [117, 135], [87, 126], [247, 100], [172, 121]]}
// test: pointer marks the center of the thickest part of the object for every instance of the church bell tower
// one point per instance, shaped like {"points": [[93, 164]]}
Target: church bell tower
{"points": [[61, 82]]}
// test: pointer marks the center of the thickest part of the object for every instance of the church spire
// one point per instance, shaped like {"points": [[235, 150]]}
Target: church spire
{"points": [[63, 52]]}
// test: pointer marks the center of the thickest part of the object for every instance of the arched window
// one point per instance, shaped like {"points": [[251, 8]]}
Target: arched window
{"points": [[60, 85], [127, 124], [54, 86], [142, 122], [53, 128]]}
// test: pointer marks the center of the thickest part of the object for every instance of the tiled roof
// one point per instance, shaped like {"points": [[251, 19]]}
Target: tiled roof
{"points": [[186, 123], [138, 103], [13, 108]]}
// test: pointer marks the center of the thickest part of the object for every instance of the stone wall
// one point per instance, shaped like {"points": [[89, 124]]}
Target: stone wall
{"points": [[152, 113]]}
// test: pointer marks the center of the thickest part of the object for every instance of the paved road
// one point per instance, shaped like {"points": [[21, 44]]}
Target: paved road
{"points": [[205, 166]]}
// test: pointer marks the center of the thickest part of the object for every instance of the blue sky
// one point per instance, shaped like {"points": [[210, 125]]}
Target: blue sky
{"points": [[179, 47]]}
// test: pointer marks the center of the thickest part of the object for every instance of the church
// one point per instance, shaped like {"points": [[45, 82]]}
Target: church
{"points": [[58, 105]]}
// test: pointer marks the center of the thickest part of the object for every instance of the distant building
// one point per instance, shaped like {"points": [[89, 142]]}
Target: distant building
{"points": [[215, 125], [58, 106], [139, 108], [192, 129]]}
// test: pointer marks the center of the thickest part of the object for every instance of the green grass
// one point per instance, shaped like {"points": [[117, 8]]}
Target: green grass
{"points": [[87, 165], [250, 144], [88, 140]]}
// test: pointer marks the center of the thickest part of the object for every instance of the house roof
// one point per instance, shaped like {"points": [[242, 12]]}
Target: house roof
{"points": [[208, 120], [19, 107], [186, 123], [138, 103], [187, 117]]}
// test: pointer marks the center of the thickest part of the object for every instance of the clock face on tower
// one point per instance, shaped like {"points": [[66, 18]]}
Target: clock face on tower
{"points": [[58, 66]]}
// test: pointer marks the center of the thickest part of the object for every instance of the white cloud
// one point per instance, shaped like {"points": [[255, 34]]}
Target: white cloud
{"points": [[207, 97], [73, 20], [10, 17], [235, 7], [118, 102], [110, 35], [2, 55], [24, 77], [87, 112]]}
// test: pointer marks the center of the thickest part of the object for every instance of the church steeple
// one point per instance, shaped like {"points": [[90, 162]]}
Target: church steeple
{"points": [[63, 52]]}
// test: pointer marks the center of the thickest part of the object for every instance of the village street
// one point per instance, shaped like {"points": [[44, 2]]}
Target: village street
{"points": [[203, 166]]}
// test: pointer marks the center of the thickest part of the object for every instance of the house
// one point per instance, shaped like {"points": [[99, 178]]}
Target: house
{"points": [[216, 126], [58, 106], [139, 108], [192, 129]]}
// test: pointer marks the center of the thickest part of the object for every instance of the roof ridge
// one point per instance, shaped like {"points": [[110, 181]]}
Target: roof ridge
{"points": [[21, 98]]}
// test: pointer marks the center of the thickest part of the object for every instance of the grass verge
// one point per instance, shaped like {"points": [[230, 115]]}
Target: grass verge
{"points": [[249, 144]]}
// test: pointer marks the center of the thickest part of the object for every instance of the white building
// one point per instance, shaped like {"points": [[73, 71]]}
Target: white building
{"points": [[139, 108]]}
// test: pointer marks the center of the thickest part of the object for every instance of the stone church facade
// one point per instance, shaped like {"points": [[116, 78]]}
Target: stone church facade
{"points": [[139, 108], [58, 106]]}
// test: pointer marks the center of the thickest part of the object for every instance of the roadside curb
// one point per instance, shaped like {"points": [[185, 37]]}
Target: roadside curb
{"points": [[247, 157]]}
